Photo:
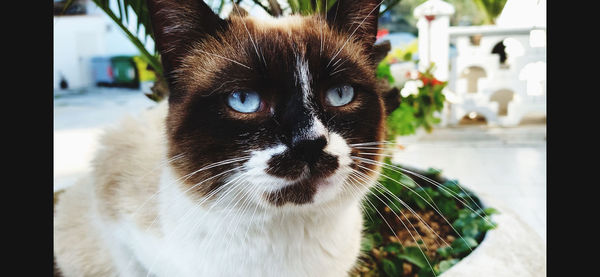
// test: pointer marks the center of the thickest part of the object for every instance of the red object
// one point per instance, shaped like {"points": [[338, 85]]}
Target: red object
{"points": [[382, 33], [426, 80], [110, 72], [430, 17]]}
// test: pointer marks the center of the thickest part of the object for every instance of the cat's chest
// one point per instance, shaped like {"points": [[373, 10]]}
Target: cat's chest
{"points": [[197, 240]]}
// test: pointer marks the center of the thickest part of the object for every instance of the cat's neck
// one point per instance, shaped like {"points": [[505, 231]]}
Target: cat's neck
{"points": [[237, 208]]}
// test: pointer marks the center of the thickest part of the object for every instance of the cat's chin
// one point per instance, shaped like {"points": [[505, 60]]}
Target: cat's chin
{"points": [[312, 191]]}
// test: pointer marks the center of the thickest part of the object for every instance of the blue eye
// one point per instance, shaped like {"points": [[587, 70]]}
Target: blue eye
{"points": [[339, 96], [244, 101]]}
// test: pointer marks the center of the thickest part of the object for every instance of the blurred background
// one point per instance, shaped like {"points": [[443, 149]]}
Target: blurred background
{"points": [[486, 127]]}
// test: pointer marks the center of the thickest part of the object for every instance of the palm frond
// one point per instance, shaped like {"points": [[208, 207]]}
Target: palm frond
{"points": [[491, 8]]}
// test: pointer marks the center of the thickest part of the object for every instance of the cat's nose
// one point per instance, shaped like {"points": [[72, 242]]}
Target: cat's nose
{"points": [[308, 150]]}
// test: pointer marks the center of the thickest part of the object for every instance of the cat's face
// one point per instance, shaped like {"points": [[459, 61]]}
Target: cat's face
{"points": [[271, 106]]}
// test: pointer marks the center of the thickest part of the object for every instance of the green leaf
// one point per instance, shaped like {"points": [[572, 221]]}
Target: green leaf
{"points": [[463, 245], [377, 239], [433, 171], [389, 267], [448, 208], [445, 252], [294, 5], [471, 229], [384, 72], [447, 264], [367, 243], [306, 7], [490, 211], [407, 181], [120, 10], [414, 255], [422, 204], [485, 224], [402, 120], [393, 248], [426, 272]]}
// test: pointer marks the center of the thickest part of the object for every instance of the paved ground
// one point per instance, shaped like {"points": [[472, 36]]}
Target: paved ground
{"points": [[78, 120], [508, 164]]}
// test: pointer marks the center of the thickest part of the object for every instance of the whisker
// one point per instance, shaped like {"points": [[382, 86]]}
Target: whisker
{"points": [[455, 183], [373, 142], [338, 71], [376, 210], [433, 182], [415, 229], [240, 213], [191, 211], [394, 232], [369, 148], [376, 154], [249, 35], [386, 190], [225, 58], [224, 162], [432, 204], [252, 218], [239, 183], [395, 169], [363, 21], [406, 227]]}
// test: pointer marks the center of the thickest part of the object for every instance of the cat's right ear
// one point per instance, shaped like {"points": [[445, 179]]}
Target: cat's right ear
{"points": [[177, 24]]}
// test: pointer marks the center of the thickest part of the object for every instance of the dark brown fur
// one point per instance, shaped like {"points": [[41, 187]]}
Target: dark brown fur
{"points": [[206, 58]]}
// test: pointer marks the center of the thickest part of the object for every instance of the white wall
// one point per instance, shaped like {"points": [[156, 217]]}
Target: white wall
{"points": [[79, 38]]}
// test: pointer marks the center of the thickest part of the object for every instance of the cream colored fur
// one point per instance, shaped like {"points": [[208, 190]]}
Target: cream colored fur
{"points": [[129, 217], [126, 172]]}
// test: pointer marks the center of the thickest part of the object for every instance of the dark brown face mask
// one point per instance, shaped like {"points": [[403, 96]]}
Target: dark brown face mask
{"points": [[241, 85]]}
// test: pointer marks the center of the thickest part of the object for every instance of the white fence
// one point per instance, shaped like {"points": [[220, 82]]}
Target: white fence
{"points": [[498, 72]]}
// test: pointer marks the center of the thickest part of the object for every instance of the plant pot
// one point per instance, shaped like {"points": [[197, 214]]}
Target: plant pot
{"points": [[511, 249]]}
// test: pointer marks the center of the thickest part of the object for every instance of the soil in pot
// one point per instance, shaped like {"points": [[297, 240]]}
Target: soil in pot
{"points": [[418, 223]]}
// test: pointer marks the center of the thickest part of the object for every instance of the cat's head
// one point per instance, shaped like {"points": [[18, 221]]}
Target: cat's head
{"points": [[272, 106]]}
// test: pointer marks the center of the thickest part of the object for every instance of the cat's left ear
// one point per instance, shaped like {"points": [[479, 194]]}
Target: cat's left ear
{"points": [[356, 18], [177, 24]]}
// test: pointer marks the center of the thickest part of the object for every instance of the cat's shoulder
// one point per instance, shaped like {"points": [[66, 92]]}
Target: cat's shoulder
{"points": [[136, 129], [126, 166]]}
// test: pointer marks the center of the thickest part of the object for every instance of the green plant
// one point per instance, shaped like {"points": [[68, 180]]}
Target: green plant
{"points": [[383, 71], [396, 196], [140, 9], [420, 99], [307, 7], [491, 8], [404, 54]]}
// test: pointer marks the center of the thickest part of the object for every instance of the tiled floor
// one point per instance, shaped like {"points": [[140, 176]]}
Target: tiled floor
{"points": [[508, 164]]}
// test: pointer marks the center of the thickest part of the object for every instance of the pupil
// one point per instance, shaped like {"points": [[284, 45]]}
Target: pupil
{"points": [[339, 91], [243, 97]]}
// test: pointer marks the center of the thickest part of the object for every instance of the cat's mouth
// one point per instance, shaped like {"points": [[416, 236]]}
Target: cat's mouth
{"points": [[290, 166], [303, 176], [307, 173]]}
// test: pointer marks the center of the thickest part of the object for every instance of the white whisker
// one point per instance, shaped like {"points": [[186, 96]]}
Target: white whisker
{"points": [[225, 58], [352, 34]]}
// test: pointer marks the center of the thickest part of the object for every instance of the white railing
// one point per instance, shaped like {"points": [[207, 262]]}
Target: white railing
{"points": [[498, 72]]}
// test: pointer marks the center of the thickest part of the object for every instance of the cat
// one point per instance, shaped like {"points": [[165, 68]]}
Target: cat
{"points": [[248, 168]]}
